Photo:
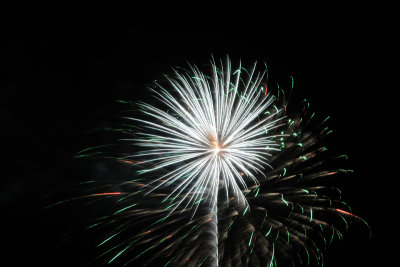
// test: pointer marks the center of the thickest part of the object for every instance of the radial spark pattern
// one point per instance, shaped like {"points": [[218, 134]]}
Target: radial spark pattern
{"points": [[212, 131]]}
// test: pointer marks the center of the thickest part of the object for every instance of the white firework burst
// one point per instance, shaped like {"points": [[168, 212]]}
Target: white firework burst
{"points": [[213, 135], [209, 194]]}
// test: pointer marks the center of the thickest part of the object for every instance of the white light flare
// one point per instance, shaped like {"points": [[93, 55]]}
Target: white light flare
{"points": [[216, 148]]}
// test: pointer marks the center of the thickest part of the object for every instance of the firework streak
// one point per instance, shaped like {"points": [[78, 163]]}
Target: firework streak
{"points": [[224, 176]]}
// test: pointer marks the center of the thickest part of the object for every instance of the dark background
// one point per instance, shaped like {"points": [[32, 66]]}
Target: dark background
{"points": [[60, 81]]}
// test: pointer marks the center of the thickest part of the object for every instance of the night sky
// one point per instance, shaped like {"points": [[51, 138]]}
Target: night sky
{"points": [[58, 82]]}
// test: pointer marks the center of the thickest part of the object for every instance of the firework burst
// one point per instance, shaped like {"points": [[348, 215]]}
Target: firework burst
{"points": [[214, 132], [223, 177]]}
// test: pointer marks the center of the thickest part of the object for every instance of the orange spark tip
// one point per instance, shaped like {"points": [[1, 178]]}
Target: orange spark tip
{"points": [[107, 194], [346, 212]]}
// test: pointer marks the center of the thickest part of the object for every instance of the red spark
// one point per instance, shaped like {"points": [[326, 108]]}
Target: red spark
{"points": [[266, 89], [107, 194], [346, 212]]}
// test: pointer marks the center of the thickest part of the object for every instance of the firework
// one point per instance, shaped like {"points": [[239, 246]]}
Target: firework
{"points": [[223, 176]]}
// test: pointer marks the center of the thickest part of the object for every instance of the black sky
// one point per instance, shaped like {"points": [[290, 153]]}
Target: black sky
{"points": [[59, 81]]}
